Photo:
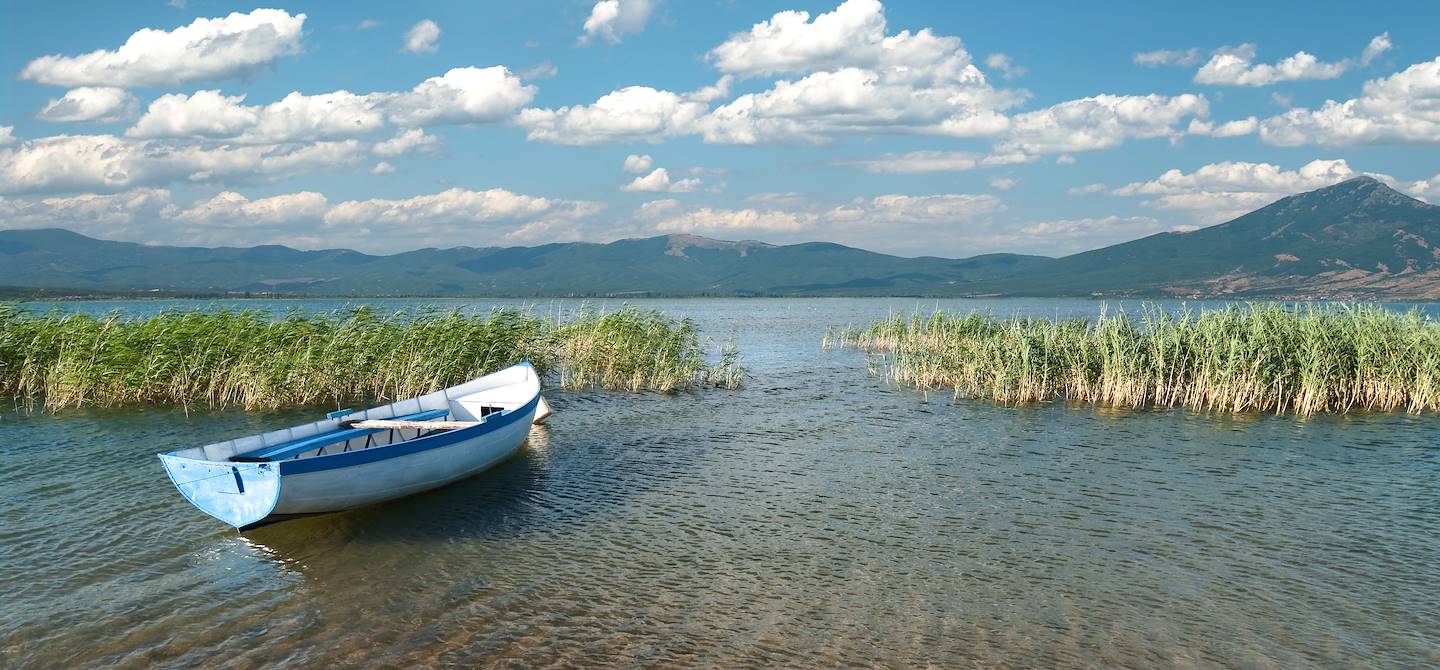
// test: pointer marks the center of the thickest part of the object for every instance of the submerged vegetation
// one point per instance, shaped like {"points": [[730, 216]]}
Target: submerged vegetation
{"points": [[1273, 358], [253, 360]]}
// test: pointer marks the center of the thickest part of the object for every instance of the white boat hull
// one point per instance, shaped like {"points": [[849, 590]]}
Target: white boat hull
{"points": [[249, 494], [334, 489]]}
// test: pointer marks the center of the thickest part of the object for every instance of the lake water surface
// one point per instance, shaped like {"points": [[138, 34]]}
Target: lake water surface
{"points": [[816, 517]]}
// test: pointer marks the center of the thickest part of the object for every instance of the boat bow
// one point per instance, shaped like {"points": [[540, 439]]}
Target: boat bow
{"points": [[239, 494]]}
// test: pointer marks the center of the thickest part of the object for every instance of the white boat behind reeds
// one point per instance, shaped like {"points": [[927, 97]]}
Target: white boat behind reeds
{"points": [[350, 460]]}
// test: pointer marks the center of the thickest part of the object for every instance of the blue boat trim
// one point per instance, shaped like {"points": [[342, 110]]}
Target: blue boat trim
{"points": [[346, 459], [277, 452]]}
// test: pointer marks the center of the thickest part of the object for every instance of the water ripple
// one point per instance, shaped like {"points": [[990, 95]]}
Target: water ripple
{"points": [[817, 517]]}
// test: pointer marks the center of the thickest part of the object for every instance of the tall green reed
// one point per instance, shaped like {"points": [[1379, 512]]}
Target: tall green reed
{"points": [[250, 359], [1261, 357]]}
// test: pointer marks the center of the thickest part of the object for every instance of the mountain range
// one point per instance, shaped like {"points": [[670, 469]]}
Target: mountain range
{"points": [[1358, 239]]}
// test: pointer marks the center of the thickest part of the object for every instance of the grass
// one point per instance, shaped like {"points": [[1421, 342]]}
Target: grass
{"points": [[1270, 358], [253, 360]]}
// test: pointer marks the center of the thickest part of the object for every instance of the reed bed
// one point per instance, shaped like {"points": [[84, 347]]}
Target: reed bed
{"points": [[254, 360], [1261, 357]]}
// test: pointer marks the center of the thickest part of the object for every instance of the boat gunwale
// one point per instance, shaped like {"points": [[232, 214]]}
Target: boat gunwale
{"points": [[345, 459], [534, 378]]}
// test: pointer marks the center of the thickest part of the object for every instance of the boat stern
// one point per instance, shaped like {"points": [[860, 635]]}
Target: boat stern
{"points": [[239, 494]]}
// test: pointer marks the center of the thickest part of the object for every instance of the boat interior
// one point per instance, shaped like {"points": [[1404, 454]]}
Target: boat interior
{"points": [[471, 402], [348, 438]]}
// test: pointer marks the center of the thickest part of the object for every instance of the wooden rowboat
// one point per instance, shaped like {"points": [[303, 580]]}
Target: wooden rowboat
{"points": [[353, 459]]}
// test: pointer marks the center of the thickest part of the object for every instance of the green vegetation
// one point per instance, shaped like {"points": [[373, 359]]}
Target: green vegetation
{"points": [[252, 360], [72, 264], [1255, 358]]}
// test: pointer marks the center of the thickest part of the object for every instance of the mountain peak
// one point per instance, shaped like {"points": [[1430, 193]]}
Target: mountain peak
{"points": [[1362, 180], [1362, 185], [1352, 195]]}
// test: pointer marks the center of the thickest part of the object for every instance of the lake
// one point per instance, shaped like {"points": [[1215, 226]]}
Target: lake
{"points": [[818, 516]]}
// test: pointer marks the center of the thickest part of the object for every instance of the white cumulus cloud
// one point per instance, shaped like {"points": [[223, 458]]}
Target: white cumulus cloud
{"points": [[231, 46], [460, 216], [1219, 192], [1236, 128], [462, 95], [296, 117], [300, 117], [631, 113], [413, 140], [231, 208], [658, 181], [423, 213], [210, 137], [1424, 188], [790, 42], [1234, 66], [108, 163], [791, 217], [720, 220], [203, 113], [422, 36], [908, 209], [1401, 109], [638, 164], [855, 79], [611, 20], [126, 214], [90, 103], [307, 219], [1100, 122]]}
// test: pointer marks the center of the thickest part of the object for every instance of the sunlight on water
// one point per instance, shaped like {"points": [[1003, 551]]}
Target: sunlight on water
{"points": [[816, 517]]}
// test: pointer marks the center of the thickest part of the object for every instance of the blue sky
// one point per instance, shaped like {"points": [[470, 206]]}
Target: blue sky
{"points": [[916, 128]]}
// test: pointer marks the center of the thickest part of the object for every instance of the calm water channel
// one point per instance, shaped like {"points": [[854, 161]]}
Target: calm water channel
{"points": [[816, 517]]}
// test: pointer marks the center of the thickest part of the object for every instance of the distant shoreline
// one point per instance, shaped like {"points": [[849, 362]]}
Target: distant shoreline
{"points": [[1358, 240]]}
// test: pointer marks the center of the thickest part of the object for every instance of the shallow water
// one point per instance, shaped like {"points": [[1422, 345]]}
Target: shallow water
{"points": [[816, 517]]}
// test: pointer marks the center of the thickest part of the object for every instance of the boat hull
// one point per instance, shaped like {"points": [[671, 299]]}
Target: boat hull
{"points": [[247, 494], [335, 489]]}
